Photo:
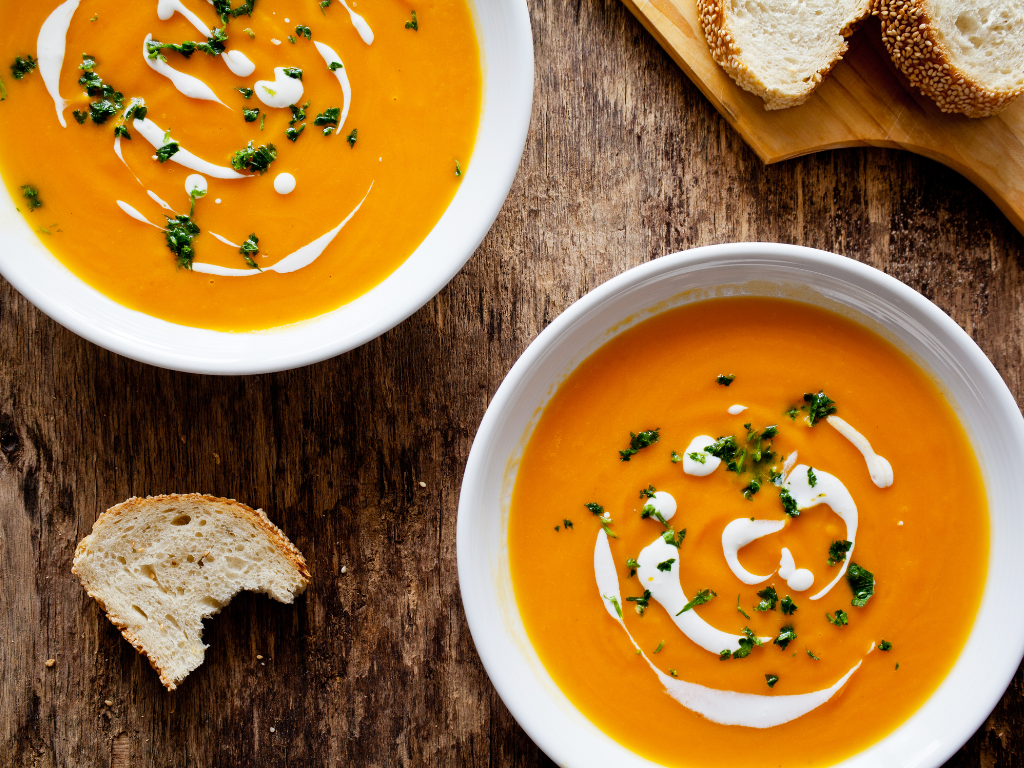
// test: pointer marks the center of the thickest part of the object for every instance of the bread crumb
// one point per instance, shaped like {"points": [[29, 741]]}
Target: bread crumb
{"points": [[422, 484], [108, 702], [344, 569], [258, 656], [272, 729], [182, 438], [216, 457], [50, 662]]}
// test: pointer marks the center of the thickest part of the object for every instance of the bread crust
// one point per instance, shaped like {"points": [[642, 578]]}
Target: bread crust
{"points": [[728, 55], [136, 504], [909, 33]]}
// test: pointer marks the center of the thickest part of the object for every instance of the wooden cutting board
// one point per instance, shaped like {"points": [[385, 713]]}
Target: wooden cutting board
{"points": [[865, 101]]}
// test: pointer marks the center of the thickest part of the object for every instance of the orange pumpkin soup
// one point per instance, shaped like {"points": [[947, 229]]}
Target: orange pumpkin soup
{"points": [[748, 532], [328, 140]]}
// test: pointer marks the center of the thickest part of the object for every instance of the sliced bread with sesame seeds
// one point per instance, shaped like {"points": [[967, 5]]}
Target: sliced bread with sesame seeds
{"points": [[967, 55], [159, 566], [778, 49]]}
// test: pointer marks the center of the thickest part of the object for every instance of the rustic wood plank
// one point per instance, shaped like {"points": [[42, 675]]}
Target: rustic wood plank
{"points": [[626, 161], [864, 101]]}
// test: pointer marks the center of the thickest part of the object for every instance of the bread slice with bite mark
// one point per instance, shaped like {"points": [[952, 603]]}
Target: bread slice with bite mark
{"points": [[778, 49], [158, 566], [967, 55]]}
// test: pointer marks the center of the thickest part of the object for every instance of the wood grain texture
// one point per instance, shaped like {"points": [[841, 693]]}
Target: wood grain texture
{"points": [[865, 101], [626, 161]]}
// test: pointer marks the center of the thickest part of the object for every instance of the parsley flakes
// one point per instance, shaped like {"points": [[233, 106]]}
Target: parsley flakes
{"points": [[181, 232], [250, 248], [862, 582], [22, 67], [666, 565], [639, 441], [885, 645], [726, 380], [31, 194], [837, 551], [787, 606], [769, 599], [840, 619], [254, 159], [786, 635], [414, 25], [771, 680], [819, 406], [703, 596]]}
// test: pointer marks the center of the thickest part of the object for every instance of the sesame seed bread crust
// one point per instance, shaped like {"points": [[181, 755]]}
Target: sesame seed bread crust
{"points": [[158, 566], [767, 75], [912, 33]]}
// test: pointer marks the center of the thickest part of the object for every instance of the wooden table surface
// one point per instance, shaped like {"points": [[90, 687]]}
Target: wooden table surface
{"points": [[625, 162]]}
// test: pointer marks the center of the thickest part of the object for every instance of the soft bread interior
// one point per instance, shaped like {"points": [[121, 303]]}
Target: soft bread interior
{"points": [[160, 566], [785, 44], [984, 39]]}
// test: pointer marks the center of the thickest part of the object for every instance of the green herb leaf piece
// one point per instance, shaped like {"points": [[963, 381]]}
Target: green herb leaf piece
{"points": [[660, 646], [788, 503], [769, 599], [246, 92], [885, 645], [251, 115], [812, 479], [840, 619], [862, 582], [703, 596], [414, 25], [639, 441], [293, 72], [293, 134], [352, 138], [166, 152], [771, 680], [666, 565], [786, 635], [615, 604], [31, 194], [742, 612], [595, 508], [303, 31], [837, 551], [820, 406], [22, 67], [334, 66], [726, 380], [787, 606], [254, 159], [811, 654]]}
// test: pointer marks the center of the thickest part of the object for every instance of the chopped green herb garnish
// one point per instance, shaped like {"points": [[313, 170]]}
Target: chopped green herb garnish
{"points": [[246, 92], [250, 33], [793, 413], [324, 4], [181, 231], [742, 612], [649, 492], [723, 448], [639, 441], [650, 510], [862, 582], [250, 248], [101, 111], [334, 66], [885, 645], [700, 458], [263, 120], [294, 134], [3, 90], [254, 159], [769, 599], [166, 152], [670, 537], [567, 523], [251, 115], [22, 67], [675, 458], [80, 116], [298, 114], [414, 25], [747, 644], [787, 606], [726, 380], [632, 564], [673, 673], [214, 46], [224, 9], [615, 604], [666, 565], [642, 602], [458, 169], [812, 479], [771, 680], [293, 72], [753, 487], [788, 503], [122, 131], [820, 406], [837, 551], [558, 528], [660, 646], [352, 138], [703, 596], [31, 194], [811, 654], [786, 634], [303, 31], [597, 509], [291, 39], [897, 665], [840, 619], [329, 116]]}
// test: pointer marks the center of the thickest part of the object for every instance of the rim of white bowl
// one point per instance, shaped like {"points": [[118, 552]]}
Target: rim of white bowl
{"points": [[962, 701], [506, 45]]}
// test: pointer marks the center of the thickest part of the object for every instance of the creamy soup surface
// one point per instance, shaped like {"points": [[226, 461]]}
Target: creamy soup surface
{"points": [[362, 118], [748, 532]]}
